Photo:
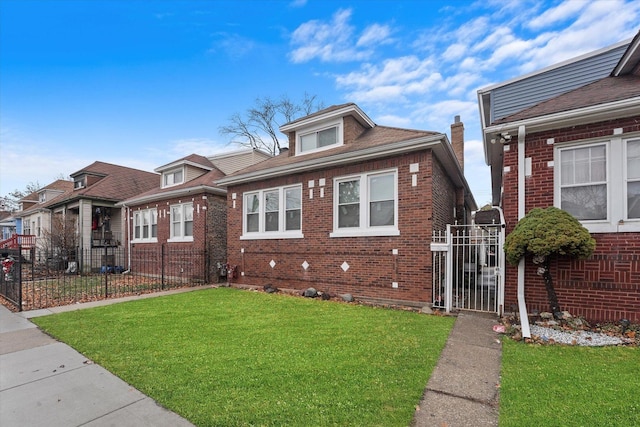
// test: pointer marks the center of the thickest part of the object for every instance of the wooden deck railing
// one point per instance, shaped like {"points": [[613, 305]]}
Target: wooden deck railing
{"points": [[27, 241]]}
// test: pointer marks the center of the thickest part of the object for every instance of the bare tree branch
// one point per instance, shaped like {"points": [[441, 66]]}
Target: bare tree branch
{"points": [[259, 127]]}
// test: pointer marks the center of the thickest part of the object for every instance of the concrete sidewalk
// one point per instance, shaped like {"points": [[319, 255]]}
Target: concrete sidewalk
{"points": [[44, 382], [463, 388]]}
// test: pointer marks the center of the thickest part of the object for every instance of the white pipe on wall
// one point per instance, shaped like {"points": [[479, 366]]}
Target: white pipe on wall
{"points": [[522, 306]]}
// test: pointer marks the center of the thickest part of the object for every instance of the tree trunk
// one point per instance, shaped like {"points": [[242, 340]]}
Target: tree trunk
{"points": [[551, 292]]}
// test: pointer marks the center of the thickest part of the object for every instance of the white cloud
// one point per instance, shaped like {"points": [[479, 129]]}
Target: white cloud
{"points": [[335, 41], [396, 70], [394, 120], [562, 12], [439, 115], [373, 34], [599, 24]]}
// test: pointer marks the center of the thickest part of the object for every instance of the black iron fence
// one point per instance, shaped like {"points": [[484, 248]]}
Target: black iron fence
{"points": [[33, 279]]}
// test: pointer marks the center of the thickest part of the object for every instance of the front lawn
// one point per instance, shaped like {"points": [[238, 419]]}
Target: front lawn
{"points": [[231, 357], [560, 385]]}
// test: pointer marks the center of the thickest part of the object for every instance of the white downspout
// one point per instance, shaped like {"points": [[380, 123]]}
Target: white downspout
{"points": [[127, 212], [522, 306]]}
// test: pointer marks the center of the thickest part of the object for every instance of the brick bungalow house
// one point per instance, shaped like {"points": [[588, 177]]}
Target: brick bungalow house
{"points": [[569, 136], [349, 207], [184, 214]]}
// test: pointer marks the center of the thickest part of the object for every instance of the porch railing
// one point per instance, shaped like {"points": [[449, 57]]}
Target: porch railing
{"points": [[26, 241]]}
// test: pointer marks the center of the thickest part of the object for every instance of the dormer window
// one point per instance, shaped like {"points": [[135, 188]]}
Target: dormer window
{"points": [[172, 177], [79, 183], [42, 197], [319, 138]]}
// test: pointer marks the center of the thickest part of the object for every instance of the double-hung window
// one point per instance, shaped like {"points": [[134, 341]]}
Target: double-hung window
{"points": [[366, 205], [633, 178], [172, 177], [181, 225], [321, 137], [145, 225], [583, 182], [273, 213], [599, 183]]}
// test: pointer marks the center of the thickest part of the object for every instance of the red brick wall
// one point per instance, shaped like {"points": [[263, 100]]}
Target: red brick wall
{"points": [[605, 287], [209, 236], [373, 267]]}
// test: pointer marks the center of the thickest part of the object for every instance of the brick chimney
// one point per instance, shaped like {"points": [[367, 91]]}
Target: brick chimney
{"points": [[457, 140]]}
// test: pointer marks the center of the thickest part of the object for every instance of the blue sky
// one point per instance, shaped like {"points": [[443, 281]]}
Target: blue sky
{"points": [[143, 83]]}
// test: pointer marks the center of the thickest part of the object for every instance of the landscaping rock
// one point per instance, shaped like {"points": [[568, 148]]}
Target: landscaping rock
{"points": [[310, 293], [426, 310], [546, 315], [270, 289], [347, 298]]}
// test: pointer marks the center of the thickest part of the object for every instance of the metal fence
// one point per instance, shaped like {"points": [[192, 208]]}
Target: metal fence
{"points": [[468, 265], [31, 280]]}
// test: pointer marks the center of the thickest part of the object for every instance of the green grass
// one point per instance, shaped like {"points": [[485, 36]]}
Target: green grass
{"points": [[230, 357], [569, 386]]}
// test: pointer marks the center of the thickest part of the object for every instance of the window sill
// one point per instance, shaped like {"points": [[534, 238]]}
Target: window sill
{"points": [[180, 239], [365, 233], [138, 241], [271, 236], [629, 226]]}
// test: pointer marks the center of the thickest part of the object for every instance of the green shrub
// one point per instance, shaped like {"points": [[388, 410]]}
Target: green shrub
{"points": [[548, 232]]}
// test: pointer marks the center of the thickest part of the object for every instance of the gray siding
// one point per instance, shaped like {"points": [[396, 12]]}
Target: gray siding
{"points": [[517, 96]]}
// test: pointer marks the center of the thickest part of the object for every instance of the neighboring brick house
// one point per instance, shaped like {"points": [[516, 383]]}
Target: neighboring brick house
{"points": [[349, 207], [569, 136], [184, 212]]}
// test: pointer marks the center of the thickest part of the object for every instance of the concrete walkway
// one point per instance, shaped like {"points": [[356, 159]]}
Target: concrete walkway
{"points": [[44, 382], [463, 389]]}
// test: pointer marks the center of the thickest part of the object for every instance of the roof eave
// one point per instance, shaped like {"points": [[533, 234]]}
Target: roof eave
{"points": [[172, 194], [574, 117], [341, 112], [334, 160]]}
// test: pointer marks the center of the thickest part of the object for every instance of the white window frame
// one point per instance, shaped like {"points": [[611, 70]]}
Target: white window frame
{"points": [[627, 180], [138, 224], [337, 124], [281, 232], [364, 228], [184, 208], [616, 178], [172, 173], [42, 197], [26, 226]]}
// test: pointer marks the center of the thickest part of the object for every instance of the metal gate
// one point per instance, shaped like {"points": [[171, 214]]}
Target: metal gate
{"points": [[11, 275], [468, 267]]}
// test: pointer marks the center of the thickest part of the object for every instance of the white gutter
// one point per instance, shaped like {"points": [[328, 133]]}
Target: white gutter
{"points": [[522, 306]]}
